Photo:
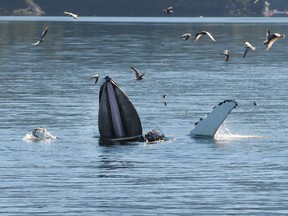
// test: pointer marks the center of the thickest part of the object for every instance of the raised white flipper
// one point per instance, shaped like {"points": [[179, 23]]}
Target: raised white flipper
{"points": [[209, 126]]}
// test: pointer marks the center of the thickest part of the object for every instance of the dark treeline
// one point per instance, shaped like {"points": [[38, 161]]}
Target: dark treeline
{"points": [[191, 8]]}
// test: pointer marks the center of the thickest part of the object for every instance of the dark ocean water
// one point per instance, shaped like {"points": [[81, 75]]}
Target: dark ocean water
{"points": [[243, 171]]}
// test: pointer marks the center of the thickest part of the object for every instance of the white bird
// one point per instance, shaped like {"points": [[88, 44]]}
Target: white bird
{"points": [[75, 16], [199, 34], [248, 47], [226, 54], [186, 36], [271, 39], [256, 1], [96, 77], [137, 74], [168, 10], [42, 37]]}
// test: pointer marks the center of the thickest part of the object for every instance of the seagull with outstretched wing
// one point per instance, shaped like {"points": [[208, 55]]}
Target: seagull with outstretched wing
{"points": [[42, 37], [199, 34], [96, 77], [137, 74], [74, 16], [271, 39]]}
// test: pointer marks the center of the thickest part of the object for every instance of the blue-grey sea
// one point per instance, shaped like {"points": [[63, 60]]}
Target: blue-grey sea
{"points": [[242, 171]]}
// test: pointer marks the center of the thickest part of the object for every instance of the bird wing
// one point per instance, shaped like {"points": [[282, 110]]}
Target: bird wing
{"points": [[267, 34], [208, 33], [75, 16], [44, 32], [186, 36], [136, 72], [140, 77], [247, 44], [247, 49], [96, 77], [36, 43], [226, 57], [197, 36], [270, 43]]}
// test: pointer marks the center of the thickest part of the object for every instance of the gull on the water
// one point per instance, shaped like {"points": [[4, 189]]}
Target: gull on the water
{"points": [[168, 10], [41, 37], [199, 34], [271, 39], [75, 16], [186, 36], [226, 54], [96, 77], [137, 74], [248, 47]]}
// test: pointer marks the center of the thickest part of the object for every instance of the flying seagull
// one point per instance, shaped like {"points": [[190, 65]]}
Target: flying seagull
{"points": [[226, 54], [199, 34], [137, 74], [168, 10], [96, 77], [185, 36], [271, 39], [248, 47], [42, 37], [75, 16]]}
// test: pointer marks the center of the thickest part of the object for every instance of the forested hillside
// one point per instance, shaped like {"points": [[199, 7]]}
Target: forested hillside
{"points": [[138, 7]]}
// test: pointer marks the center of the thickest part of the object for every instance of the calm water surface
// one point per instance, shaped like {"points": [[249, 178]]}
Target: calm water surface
{"points": [[244, 171]]}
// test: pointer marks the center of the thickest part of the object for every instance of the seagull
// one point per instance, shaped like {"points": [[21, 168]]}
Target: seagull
{"points": [[75, 16], [254, 103], [42, 37], [96, 77], [256, 1], [248, 47], [271, 38], [168, 10], [137, 74], [199, 34], [226, 54], [186, 36]]}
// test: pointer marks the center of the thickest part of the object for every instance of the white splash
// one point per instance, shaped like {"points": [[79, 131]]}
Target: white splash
{"points": [[39, 134], [224, 134]]}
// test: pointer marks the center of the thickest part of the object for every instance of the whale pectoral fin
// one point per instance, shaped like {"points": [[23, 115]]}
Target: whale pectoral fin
{"points": [[209, 125]]}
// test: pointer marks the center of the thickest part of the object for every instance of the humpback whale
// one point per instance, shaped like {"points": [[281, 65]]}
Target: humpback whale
{"points": [[209, 126], [118, 119]]}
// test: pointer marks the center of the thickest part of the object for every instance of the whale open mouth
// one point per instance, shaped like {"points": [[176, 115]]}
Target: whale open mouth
{"points": [[118, 119], [209, 126]]}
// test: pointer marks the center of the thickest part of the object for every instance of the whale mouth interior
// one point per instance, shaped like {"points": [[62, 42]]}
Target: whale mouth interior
{"points": [[115, 113], [118, 119]]}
